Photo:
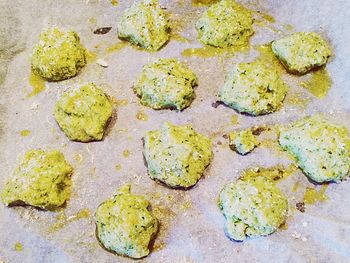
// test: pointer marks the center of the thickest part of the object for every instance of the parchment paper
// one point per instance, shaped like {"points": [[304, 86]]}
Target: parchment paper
{"points": [[191, 224]]}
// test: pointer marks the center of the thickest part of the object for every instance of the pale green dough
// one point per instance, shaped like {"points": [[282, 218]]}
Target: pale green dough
{"points": [[321, 149], [83, 113], [225, 24], [243, 142], [302, 51], [253, 207], [177, 155], [253, 88], [125, 225], [58, 55], [43, 179], [166, 84], [145, 24]]}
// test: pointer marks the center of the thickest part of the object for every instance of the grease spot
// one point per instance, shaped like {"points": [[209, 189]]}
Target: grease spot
{"points": [[312, 196], [25, 133], [319, 83], [37, 83]]}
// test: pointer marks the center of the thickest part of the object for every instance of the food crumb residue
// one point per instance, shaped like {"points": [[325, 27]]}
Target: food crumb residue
{"points": [[114, 2], [289, 27], [37, 83], [284, 226], [25, 133], [142, 116], [298, 99], [263, 18], [116, 47], [204, 2], [91, 56], [78, 157], [126, 153], [312, 196], [276, 173], [62, 220], [179, 38], [208, 51], [118, 167], [295, 186], [319, 83], [18, 247], [234, 119]]}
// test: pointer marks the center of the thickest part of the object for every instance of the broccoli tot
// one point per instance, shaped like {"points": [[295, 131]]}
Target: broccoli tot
{"points": [[83, 113], [58, 55], [253, 88], [301, 52], [177, 155], [321, 149], [124, 224], [225, 24], [252, 207], [43, 180], [145, 24], [166, 84]]}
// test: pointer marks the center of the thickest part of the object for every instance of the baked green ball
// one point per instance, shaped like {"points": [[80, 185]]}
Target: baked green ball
{"points": [[254, 88], [58, 55], [145, 24], [321, 149], [225, 24], [124, 224], [253, 207], [302, 51], [177, 155], [42, 179], [166, 84], [83, 113], [243, 142]]}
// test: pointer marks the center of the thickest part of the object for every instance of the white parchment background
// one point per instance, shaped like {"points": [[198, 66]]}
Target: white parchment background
{"points": [[192, 225]]}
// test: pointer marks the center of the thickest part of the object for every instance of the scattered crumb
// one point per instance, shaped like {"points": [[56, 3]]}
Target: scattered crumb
{"points": [[300, 206], [18, 247], [102, 63]]}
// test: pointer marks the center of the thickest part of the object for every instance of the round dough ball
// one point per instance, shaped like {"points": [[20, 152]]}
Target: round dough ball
{"points": [[58, 55], [177, 155], [124, 225], [166, 84], [254, 207], [43, 179], [225, 24], [321, 149], [253, 88], [301, 51], [145, 24], [83, 113]]}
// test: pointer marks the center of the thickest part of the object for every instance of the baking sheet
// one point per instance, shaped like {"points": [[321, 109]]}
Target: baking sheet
{"points": [[191, 224]]}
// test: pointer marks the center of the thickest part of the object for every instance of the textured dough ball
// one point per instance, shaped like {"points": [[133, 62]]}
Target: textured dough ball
{"points": [[177, 155], [254, 207], [253, 88], [43, 179], [124, 225], [321, 149], [225, 24], [145, 24], [166, 84], [58, 55], [243, 142], [83, 113], [301, 52]]}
